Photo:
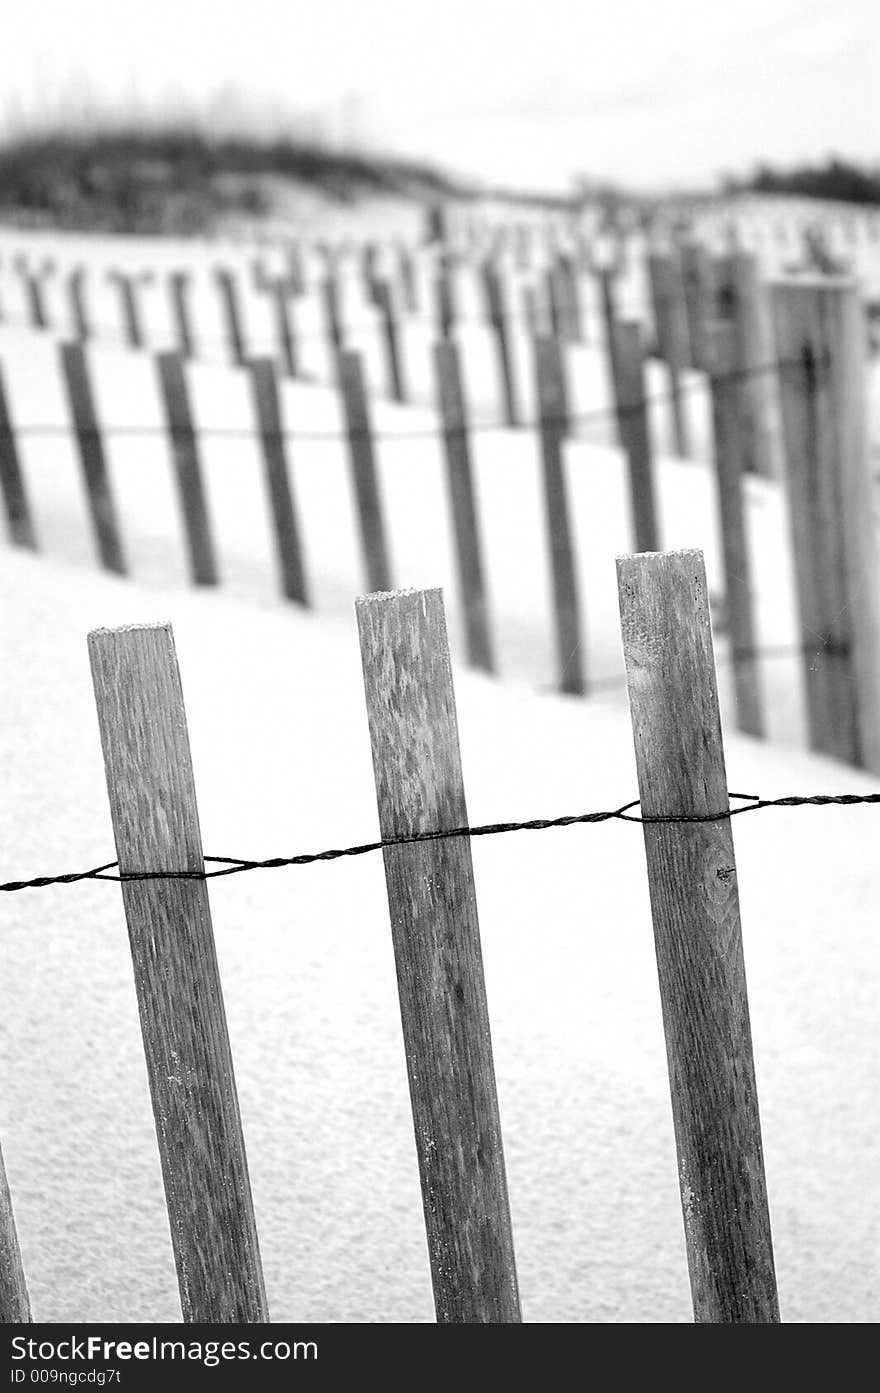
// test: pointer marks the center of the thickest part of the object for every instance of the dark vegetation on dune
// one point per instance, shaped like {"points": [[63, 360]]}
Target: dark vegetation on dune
{"points": [[836, 179], [183, 181]]}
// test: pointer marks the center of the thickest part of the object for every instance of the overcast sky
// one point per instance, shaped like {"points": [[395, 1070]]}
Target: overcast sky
{"points": [[646, 91]]}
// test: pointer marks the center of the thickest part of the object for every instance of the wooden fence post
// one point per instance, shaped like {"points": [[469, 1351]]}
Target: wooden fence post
{"points": [[363, 466], [819, 323], [33, 284], [721, 348], [699, 300], [435, 930], [608, 310], [498, 316], [187, 469], [628, 366], [180, 1001], [179, 283], [408, 282], [384, 303], [553, 413], [264, 387], [369, 270], [280, 289], [295, 267], [15, 499], [78, 312], [227, 285], [564, 300], [15, 1305], [446, 309], [126, 283], [671, 325], [332, 309], [460, 485], [102, 510], [667, 643], [740, 298]]}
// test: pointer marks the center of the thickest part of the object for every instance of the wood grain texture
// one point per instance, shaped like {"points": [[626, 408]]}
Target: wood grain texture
{"points": [[99, 495], [391, 337], [667, 300], [460, 485], [553, 414], [435, 930], [76, 289], [667, 644], [227, 287], [496, 304], [820, 342], [179, 287], [721, 350], [634, 430], [264, 390], [740, 297], [187, 468], [368, 504], [16, 506], [155, 822], [15, 1305]]}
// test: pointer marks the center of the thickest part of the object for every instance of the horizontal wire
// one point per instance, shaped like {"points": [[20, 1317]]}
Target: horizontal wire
{"points": [[231, 865]]}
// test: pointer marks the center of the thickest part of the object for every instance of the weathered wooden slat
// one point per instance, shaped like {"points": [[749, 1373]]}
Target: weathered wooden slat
{"points": [[102, 510], [331, 298], [699, 300], [368, 503], [668, 304], [496, 303], [391, 336], [280, 289], [553, 414], [634, 430], [230, 301], [409, 285], [15, 500], [721, 350], [187, 468], [445, 297], [459, 476], [179, 284], [820, 344], [435, 930], [126, 284], [667, 644], [15, 1304], [740, 297], [264, 387], [33, 285], [189, 1063], [76, 288]]}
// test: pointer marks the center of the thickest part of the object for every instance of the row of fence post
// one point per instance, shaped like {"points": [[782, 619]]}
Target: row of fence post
{"points": [[433, 912], [815, 386]]}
